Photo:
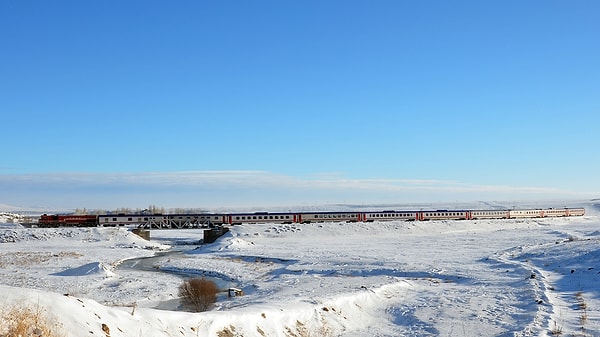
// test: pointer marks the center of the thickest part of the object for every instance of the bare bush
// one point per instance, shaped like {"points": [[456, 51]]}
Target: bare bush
{"points": [[22, 320], [198, 294]]}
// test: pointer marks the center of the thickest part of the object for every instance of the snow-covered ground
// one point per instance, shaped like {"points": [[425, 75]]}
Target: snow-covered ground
{"points": [[7, 217], [534, 277]]}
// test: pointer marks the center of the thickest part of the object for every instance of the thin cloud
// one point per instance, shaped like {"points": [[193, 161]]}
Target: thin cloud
{"points": [[253, 179], [246, 188]]}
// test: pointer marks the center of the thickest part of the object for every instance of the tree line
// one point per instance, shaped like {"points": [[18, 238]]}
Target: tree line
{"points": [[151, 209]]}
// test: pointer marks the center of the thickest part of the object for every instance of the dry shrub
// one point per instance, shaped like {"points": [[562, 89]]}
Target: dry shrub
{"points": [[228, 332], [302, 331], [22, 320], [557, 330], [198, 294]]}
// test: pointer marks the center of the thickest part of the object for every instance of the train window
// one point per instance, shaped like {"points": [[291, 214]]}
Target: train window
{"points": [[114, 219], [128, 219]]}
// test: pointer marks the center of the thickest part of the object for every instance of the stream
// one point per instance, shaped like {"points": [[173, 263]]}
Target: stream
{"points": [[151, 264]]}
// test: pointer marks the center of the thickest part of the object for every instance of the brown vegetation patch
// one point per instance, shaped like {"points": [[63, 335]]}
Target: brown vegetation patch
{"points": [[32, 258], [23, 320], [227, 332]]}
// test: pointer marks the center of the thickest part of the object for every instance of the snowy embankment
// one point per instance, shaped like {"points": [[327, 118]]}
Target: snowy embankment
{"points": [[448, 278], [10, 219]]}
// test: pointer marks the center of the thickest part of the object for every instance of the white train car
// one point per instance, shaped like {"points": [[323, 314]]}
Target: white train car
{"points": [[390, 216], [161, 220], [555, 212], [261, 217], [526, 213], [309, 217], [444, 215], [575, 211], [490, 214], [116, 220], [202, 220]]}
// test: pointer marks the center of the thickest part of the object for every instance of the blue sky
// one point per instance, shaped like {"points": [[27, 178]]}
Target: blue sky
{"points": [[218, 103]]}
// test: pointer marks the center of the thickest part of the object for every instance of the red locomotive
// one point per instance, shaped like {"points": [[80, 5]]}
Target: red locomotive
{"points": [[69, 220]]}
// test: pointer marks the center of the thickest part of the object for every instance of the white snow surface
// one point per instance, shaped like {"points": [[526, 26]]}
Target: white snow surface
{"points": [[440, 278]]}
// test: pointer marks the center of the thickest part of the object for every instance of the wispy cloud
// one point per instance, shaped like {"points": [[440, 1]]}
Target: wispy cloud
{"points": [[230, 188]]}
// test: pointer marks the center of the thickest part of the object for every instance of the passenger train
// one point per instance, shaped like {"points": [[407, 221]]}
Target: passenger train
{"points": [[220, 219]]}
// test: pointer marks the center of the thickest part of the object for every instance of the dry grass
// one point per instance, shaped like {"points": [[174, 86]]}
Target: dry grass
{"points": [[32, 258], [582, 306], [557, 330], [23, 320], [299, 330], [580, 301]]}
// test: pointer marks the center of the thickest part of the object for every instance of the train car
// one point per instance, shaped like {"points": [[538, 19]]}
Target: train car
{"points": [[309, 217], [555, 212], [525, 213], [131, 220], [67, 220], [390, 215], [202, 220], [262, 217], [490, 214], [444, 215], [575, 211], [162, 220]]}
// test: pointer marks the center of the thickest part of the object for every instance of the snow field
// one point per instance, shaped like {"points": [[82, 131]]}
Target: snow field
{"points": [[447, 278]]}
